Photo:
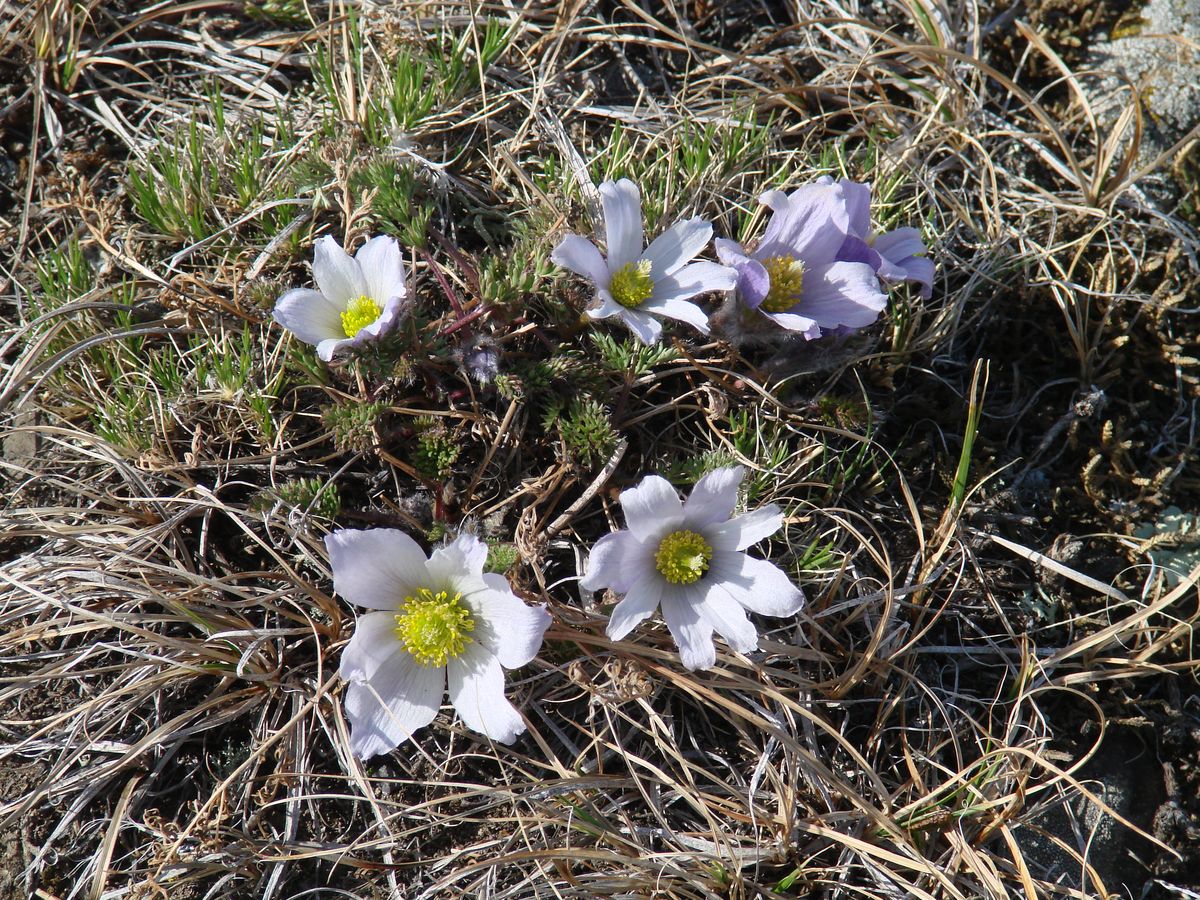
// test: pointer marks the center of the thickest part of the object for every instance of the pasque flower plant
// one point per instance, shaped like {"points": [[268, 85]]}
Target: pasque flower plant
{"points": [[896, 255], [359, 300], [436, 622], [794, 276], [689, 558], [637, 283]]}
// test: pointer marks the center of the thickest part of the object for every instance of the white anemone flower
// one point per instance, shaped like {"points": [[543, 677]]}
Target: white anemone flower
{"points": [[436, 621], [689, 559], [359, 300], [636, 282]]}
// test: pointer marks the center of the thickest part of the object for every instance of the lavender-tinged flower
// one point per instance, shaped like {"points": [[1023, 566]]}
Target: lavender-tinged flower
{"points": [[359, 300], [637, 284], [436, 620], [687, 557], [898, 255], [794, 277]]}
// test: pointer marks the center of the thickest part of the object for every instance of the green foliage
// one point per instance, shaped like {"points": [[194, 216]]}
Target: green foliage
{"points": [[64, 275], [312, 496], [437, 449], [629, 357], [353, 424], [586, 431], [286, 12], [501, 557], [510, 276], [399, 206]]}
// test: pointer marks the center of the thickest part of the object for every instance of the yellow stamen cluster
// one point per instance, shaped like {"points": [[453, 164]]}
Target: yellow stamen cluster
{"points": [[433, 627], [631, 284], [787, 280], [682, 557], [360, 312]]}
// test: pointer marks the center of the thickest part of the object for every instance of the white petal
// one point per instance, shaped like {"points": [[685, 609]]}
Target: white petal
{"points": [[377, 567], [728, 617], [697, 278], [382, 268], [742, 532], [465, 555], [337, 275], [373, 643], [805, 224], [617, 560], [607, 306], [400, 697], [677, 245], [645, 327], [326, 350], [505, 624], [713, 498], [758, 585], [622, 222], [792, 322], [388, 316], [641, 601], [692, 632], [477, 692], [682, 310], [309, 316], [581, 256], [652, 508]]}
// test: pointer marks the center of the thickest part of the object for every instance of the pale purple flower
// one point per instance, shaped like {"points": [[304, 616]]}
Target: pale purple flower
{"points": [[794, 277], [637, 283], [689, 559], [359, 300], [436, 621], [897, 255]]}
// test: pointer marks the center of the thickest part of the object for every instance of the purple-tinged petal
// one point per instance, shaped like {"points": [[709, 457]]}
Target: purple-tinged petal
{"points": [[899, 244], [401, 697], [746, 530], [309, 316], [382, 268], [676, 246], [855, 249], [756, 584], [920, 269], [730, 253], [713, 498], [652, 508], [858, 207], [622, 222], [377, 567], [637, 606], [841, 293], [581, 256], [692, 632], [476, 683], [811, 226], [336, 274]]}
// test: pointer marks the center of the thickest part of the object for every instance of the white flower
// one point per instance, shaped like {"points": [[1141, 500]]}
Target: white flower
{"points": [[687, 557], [436, 619], [359, 300], [637, 284]]}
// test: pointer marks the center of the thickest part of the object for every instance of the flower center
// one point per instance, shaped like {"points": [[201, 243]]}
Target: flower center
{"points": [[360, 312], [682, 557], [787, 279], [434, 627], [631, 284]]}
